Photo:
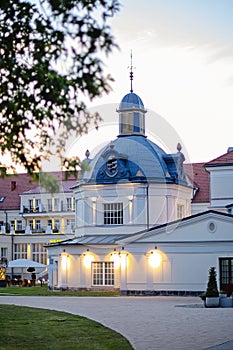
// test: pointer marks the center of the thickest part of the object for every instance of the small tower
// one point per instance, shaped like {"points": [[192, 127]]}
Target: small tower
{"points": [[131, 112]]}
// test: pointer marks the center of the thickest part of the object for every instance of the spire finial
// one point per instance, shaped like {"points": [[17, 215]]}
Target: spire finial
{"points": [[131, 72]]}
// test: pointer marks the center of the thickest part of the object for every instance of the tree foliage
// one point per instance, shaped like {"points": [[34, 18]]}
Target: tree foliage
{"points": [[50, 62]]}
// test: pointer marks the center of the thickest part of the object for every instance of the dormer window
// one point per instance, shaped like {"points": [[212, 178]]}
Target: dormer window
{"points": [[2, 199], [13, 185]]}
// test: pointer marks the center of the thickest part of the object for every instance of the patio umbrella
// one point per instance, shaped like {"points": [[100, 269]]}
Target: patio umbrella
{"points": [[25, 263]]}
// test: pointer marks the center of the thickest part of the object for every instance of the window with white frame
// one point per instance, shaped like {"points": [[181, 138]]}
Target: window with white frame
{"points": [[37, 205], [70, 223], [30, 203], [3, 252], [50, 223], [70, 204], [57, 224], [19, 225], [20, 251], [12, 224], [103, 273], [50, 204], [38, 225], [31, 224], [180, 211], [56, 204], [113, 214], [39, 253]]}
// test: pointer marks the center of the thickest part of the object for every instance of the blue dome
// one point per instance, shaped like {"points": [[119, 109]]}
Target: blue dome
{"points": [[138, 159], [131, 101]]}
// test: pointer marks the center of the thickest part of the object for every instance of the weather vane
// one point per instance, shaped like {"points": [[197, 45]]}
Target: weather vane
{"points": [[131, 72]]}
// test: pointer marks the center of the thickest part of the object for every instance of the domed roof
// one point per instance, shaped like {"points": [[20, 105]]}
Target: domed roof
{"points": [[132, 158], [131, 101]]}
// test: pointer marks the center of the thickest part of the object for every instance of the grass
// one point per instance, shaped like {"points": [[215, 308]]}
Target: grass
{"points": [[43, 291], [28, 328]]}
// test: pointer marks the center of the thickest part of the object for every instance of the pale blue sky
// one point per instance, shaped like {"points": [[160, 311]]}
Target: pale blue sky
{"points": [[183, 53], [191, 19]]}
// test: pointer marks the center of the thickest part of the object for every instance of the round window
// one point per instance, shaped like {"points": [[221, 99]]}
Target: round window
{"points": [[212, 227]]}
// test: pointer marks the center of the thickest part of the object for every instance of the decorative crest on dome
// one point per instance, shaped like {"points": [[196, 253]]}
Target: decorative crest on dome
{"points": [[131, 67]]}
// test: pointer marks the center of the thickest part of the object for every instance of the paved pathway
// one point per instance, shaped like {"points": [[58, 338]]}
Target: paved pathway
{"points": [[150, 323]]}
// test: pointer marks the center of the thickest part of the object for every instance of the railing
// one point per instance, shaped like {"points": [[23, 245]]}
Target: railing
{"points": [[44, 229], [47, 209]]}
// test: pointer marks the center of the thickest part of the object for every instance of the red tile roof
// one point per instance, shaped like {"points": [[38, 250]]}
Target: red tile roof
{"points": [[226, 158], [65, 187], [10, 188], [200, 178]]}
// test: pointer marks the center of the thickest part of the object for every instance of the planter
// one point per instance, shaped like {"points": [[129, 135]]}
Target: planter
{"points": [[212, 301], [3, 283], [225, 302], [222, 295]]}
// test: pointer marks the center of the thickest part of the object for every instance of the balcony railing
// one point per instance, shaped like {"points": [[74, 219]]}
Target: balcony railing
{"points": [[47, 209], [46, 229]]}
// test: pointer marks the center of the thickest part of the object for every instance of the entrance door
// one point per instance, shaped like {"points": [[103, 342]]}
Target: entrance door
{"points": [[226, 275]]}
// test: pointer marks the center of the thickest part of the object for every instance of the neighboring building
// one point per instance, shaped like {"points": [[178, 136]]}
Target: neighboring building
{"points": [[30, 217], [46, 212], [10, 189], [221, 184], [143, 225], [199, 178], [212, 183]]}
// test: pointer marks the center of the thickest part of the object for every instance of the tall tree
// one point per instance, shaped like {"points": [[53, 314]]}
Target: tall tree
{"points": [[50, 61]]}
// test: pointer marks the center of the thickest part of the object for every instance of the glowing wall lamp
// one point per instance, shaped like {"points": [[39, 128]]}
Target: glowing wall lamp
{"points": [[154, 258], [87, 259], [123, 258], [116, 259], [65, 262]]}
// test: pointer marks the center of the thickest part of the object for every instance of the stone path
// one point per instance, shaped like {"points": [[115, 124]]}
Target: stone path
{"points": [[149, 323]]}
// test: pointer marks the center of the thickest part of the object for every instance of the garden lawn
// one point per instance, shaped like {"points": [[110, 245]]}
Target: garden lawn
{"points": [[28, 328], [43, 291]]}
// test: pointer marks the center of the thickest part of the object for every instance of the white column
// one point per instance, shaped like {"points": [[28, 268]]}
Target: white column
{"points": [[131, 210], [29, 251], [149, 274], [82, 272], [63, 270], [170, 208], [123, 276], [94, 211]]}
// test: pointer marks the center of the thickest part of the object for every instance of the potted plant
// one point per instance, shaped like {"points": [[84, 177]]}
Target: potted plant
{"points": [[212, 293]]}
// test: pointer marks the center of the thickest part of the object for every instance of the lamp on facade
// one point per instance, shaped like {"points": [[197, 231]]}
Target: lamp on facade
{"points": [[123, 256], [88, 258], [65, 261], [116, 259], [154, 258]]}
